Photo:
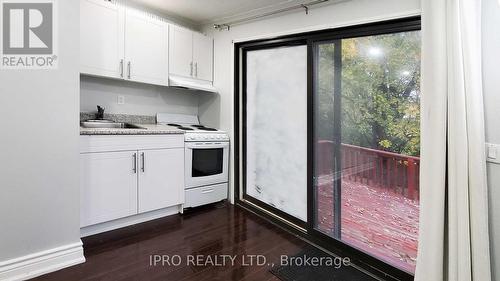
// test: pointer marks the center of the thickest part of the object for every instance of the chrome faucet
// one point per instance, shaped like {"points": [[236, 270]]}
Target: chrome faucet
{"points": [[100, 113]]}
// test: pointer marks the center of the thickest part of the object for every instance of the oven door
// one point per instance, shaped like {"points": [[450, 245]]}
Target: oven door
{"points": [[206, 163]]}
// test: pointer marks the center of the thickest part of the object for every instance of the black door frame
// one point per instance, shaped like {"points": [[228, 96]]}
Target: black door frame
{"points": [[300, 228]]}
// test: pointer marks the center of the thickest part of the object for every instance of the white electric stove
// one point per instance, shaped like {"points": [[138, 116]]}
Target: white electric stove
{"points": [[206, 159]]}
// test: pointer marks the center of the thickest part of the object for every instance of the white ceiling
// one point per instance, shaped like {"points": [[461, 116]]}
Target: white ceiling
{"points": [[200, 12]]}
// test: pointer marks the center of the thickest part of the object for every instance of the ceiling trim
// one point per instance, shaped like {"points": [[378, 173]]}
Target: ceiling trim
{"points": [[281, 8], [170, 17]]}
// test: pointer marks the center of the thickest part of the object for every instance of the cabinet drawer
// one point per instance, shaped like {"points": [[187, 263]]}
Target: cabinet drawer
{"points": [[205, 195], [105, 143]]}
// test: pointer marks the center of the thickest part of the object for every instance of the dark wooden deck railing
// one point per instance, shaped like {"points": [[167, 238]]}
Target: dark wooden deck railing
{"points": [[396, 172]]}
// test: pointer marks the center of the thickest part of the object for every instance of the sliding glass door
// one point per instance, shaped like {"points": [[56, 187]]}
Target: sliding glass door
{"points": [[276, 129], [327, 85], [328, 138], [366, 142]]}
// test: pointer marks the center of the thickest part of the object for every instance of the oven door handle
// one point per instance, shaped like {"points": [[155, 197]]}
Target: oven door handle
{"points": [[207, 145]]}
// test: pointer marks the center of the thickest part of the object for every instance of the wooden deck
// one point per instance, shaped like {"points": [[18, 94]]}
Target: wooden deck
{"points": [[375, 220]]}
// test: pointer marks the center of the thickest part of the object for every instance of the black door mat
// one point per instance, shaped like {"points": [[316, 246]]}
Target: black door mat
{"points": [[321, 271]]}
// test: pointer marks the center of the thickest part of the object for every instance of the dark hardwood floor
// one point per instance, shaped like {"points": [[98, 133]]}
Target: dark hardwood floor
{"points": [[211, 231]]}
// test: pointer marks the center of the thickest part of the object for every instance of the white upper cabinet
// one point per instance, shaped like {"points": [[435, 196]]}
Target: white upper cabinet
{"points": [[181, 51], [203, 50], [123, 43], [101, 42], [191, 54], [146, 45], [161, 180]]}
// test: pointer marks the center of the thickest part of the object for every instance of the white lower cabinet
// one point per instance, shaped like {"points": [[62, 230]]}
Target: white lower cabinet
{"points": [[108, 186], [147, 175], [161, 180]]}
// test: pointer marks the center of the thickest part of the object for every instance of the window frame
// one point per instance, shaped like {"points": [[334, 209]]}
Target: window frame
{"points": [[304, 230]]}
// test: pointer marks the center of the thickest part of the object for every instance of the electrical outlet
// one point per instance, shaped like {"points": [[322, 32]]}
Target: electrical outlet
{"points": [[121, 100], [493, 153]]}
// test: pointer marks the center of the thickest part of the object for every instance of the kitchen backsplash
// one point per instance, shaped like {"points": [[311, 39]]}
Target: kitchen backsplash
{"points": [[139, 99], [127, 118]]}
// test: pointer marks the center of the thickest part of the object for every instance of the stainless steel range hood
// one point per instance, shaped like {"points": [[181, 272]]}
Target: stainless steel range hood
{"points": [[191, 84]]}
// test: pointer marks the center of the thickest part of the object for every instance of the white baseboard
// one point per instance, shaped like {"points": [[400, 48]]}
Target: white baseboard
{"points": [[127, 221], [43, 262]]}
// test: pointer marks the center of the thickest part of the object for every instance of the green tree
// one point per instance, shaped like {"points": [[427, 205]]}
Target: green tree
{"points": [[380, 92]]}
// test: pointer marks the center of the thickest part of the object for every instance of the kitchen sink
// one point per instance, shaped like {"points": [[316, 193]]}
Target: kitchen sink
{"points": [[107, 124]]}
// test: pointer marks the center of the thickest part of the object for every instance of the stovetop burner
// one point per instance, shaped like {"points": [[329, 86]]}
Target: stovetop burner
{"points": [[203, 128], [193, 130], [191, 127], [207, 129]]}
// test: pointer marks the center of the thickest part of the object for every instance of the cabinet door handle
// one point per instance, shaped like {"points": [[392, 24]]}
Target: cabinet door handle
{"points": [[128, 71], [191, 71], [121, 68], [143, 161], [196, 69], [134, 157]]}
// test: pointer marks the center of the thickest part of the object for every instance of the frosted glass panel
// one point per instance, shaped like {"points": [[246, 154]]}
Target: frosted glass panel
{"points": [[277, 128]]}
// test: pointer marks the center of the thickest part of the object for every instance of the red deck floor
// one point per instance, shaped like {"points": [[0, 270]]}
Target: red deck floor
{"points": [[374, 220]]}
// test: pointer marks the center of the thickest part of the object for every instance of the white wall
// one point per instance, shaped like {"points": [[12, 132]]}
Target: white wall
{"points": [[39, 181], [491, 85], [218, 110], [140, 99]]}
